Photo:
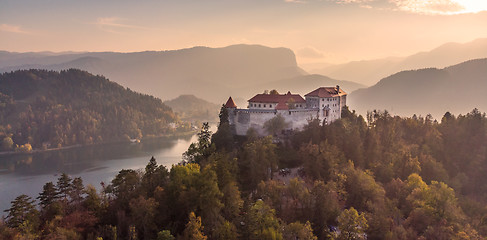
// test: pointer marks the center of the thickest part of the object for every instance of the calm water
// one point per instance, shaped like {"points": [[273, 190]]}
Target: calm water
{"points": [[26, 174]]}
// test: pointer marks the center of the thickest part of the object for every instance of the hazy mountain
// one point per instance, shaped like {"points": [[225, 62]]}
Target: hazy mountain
{"points": [[167, 74], [305, 84], [192, 108], [458, 89], [370, 71]]}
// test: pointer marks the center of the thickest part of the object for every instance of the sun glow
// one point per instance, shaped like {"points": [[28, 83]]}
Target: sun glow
{"points": [[472, 6]]}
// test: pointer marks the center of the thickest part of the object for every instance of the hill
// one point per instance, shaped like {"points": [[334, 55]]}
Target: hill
{"points": [[389, 178], [307, 83], [458, 89], [48, 109], [370, 71], [189, 107]]}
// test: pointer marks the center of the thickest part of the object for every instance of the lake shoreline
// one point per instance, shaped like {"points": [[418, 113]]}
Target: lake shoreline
{"points": [[35, 151]]}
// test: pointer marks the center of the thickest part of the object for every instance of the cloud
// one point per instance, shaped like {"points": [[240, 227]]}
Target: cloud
{"points": [[310, 52], [429, 6], [12, 29], [114, 24]]}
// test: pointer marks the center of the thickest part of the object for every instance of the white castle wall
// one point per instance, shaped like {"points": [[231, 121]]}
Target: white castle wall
{"points": [[244, 119]]}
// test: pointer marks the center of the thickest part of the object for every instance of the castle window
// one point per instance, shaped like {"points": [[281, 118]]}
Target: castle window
{"points": [[264, 105], [259, 105]]}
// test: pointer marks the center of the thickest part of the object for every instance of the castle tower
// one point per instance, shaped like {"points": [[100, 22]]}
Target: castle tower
{"points": [[231, 107], [230, 103]]}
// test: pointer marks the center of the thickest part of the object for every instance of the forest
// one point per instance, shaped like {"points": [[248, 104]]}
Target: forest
{"points": [[378, 177], [42, 109]]}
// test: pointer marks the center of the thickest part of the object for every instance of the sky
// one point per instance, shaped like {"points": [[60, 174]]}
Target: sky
{"points": [[318, 31]]}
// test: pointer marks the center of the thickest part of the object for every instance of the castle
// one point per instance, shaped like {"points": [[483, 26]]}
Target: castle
{"points": [[324, 103]]}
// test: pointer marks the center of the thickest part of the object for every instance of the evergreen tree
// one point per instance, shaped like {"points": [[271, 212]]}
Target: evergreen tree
{"points": [[223, 138], [77, 190], [48, 195], [64, 186], [201, 150], [154, 176], [22, 213]]}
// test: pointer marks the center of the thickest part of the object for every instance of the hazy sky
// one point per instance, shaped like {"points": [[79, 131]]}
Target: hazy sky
{"points": [[317, 30]]}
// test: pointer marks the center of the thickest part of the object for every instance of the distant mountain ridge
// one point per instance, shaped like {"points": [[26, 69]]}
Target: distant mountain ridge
{"points": [[307, 83], [457, 89], [210, 73], [369, 72], [167, 74]]}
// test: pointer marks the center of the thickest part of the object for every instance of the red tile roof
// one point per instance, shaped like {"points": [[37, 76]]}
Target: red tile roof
{"points": [[277, 98], [325, 92], [230, 103], [282, 106]]}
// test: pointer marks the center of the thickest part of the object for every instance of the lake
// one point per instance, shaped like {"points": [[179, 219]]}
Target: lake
{"points": [[26, 174]]}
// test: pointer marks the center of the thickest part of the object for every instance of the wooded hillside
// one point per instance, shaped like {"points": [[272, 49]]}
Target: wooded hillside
{"points": [[47, 109], [388, 178]]}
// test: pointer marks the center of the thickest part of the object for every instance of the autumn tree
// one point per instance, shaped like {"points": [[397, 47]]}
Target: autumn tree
{"points": [[7, 144], [193, 190], [165, 235], [144, 212], [225, 231], [194, 229], [275, 125], [352, 225], [262, 223], [274, 92], [257, 162], [92, 202], [232, 202], [325, 207], [297, 230]]}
